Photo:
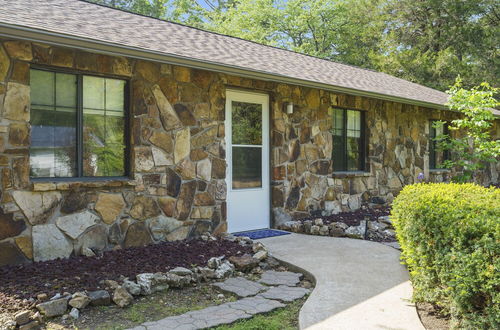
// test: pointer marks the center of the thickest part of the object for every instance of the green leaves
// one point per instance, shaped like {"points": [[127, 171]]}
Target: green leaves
{"points": [[450, 237]]}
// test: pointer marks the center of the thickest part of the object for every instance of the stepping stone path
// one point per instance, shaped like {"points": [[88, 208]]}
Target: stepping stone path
{"points": [[240, 286], [284, 293], [272, 277], [264, 300]]}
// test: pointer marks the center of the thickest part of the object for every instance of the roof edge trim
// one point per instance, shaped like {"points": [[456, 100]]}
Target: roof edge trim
{"points": [[57, 39]]}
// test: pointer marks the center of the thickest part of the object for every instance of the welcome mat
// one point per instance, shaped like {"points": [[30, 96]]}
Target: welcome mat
{"points": [[261, 233]]}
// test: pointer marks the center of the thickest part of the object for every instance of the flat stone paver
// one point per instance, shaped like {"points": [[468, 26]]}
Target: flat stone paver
{"points": [[216, 315], [359, 284], [240, 286], [271, 277], [285, 293]]}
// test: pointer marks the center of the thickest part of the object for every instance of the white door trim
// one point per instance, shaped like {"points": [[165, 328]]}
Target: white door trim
{"points": [[255, 200]]}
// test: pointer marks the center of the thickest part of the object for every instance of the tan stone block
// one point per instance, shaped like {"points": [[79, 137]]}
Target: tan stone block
{"points": [[148, 70], [109, 206], [167, 205], [86, 61], [44, 186], [19, 49], [165, 69], [187, 169], [313, 99], [182, 145], [202, 212], [17, 102], [168, 115], [20, 72], [25, 244], [182, 74], [19, 134], [143, 159], [201, 78], [121, 66]]}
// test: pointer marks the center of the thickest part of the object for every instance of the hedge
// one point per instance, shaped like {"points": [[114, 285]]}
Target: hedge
{"points": [[450, 240]]}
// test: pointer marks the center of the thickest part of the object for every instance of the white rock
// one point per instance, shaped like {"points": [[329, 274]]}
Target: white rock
{"points": [[214, 262], [261, 255], [204, 169], [74, 225], [225, 269], [36, 204], [50, 243], [75, 313], [132, 287], [161, 158]]}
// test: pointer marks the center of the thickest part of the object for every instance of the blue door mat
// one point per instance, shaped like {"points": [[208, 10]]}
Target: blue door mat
{"points": [[261, 233]]}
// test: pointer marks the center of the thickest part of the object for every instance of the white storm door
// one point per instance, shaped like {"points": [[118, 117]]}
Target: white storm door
{"points": [[247, 152]]}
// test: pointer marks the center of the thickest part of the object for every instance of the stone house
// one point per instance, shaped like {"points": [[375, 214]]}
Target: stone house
{"points": [[120, 130]]}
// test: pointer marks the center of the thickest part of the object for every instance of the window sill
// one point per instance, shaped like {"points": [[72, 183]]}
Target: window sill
{"points": [[348, 174], [49, 184]]}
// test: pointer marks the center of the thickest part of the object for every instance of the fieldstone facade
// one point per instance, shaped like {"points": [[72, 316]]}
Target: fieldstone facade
{"points": [[177, 188]]}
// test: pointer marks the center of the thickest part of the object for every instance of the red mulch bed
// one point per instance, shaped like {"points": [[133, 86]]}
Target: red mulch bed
{"points": [[21, 282], [354, 218]]}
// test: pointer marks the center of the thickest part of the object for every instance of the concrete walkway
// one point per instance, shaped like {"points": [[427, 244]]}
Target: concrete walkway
{"points": [[359, 284]]}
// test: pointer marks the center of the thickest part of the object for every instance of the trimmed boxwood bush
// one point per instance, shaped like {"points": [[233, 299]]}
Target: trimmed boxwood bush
{"points": [[450, 240]]}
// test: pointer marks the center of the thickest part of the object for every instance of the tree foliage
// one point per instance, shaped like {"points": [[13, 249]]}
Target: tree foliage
{"points": [[426, 41], [476, 147]]}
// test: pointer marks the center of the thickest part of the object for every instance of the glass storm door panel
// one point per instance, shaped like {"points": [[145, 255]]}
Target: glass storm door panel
{"points": [[247, 139]]}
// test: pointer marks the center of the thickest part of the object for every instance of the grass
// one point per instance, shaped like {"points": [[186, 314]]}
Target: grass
{"points": [[285, 318]]}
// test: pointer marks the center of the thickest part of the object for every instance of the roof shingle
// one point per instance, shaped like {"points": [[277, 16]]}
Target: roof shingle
{"points": [[111, 26]]}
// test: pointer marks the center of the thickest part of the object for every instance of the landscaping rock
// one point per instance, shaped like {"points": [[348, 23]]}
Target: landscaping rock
{"points": [[177, 281], [79, 300], [30, 325], [260, 255], [161, 226], [121, 297], [151, 283], [385, 219], [337, 229], [99, 298], [75, 313], [245, 262], [272, 277], [240, 286], [214, 262], [53, 308], [207, 273], [181, 271], [285, 293], [224, 270], [357, 231], [314, 230], [258, 246], [324, 230], [132, 287], [22, 317]]}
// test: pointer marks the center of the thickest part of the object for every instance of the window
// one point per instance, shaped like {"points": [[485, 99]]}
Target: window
{"points": [[77, 125], [436, 156], [348, 140]]}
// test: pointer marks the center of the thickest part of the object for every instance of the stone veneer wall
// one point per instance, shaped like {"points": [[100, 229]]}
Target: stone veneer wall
{"points": [[177, 183]]}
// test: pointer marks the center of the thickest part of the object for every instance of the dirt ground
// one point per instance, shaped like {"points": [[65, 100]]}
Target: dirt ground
{"points": [[430, 318]]}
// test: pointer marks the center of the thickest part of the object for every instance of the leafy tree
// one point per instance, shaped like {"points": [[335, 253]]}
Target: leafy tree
{"points": [[476, 147]]}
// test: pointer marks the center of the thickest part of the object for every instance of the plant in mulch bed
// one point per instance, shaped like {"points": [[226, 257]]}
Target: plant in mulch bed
{"points": [[21, 284]]}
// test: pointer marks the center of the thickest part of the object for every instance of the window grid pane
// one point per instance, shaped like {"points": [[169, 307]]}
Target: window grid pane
{"points": [[347, 140], [54, 121]]}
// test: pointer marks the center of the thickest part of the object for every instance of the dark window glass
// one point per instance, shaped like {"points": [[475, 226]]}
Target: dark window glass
{"points": [[348, 140], [74, 137], [247, 167], [436, 156]]}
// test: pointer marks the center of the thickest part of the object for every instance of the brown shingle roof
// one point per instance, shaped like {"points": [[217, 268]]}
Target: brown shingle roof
{"points": [[101, 24]]}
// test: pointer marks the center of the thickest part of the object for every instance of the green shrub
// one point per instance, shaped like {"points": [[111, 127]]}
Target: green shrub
{"points": [[450, 238]]}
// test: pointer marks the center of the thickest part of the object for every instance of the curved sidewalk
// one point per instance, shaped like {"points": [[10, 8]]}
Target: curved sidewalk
{"points": [[359, 284]]}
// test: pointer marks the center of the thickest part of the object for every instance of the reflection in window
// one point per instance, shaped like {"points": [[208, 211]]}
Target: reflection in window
{"points": [[348, 141], [247, 123], [59, 120]]}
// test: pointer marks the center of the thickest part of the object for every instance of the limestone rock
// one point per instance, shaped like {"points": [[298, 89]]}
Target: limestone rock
{"points": [[10, 227], [144, 207], [17, 102], [49, 243], [260, 255], [204, 169], [79, 300], [245, 262], [109, 206], [182, 145], [185, 200], [161, 158], [22, 317], [161, 226], [179, 234], [53, 308], [94, 239], [75, 313], [177, 281], [168, 115], [167, 205], [162, 140], [10, 255], [181, 271], [132, 287], [36, 206], [138, 235], [99, 298], [74, 225], [151, 283], [187, 169], [4, 64], [121, 297]]}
